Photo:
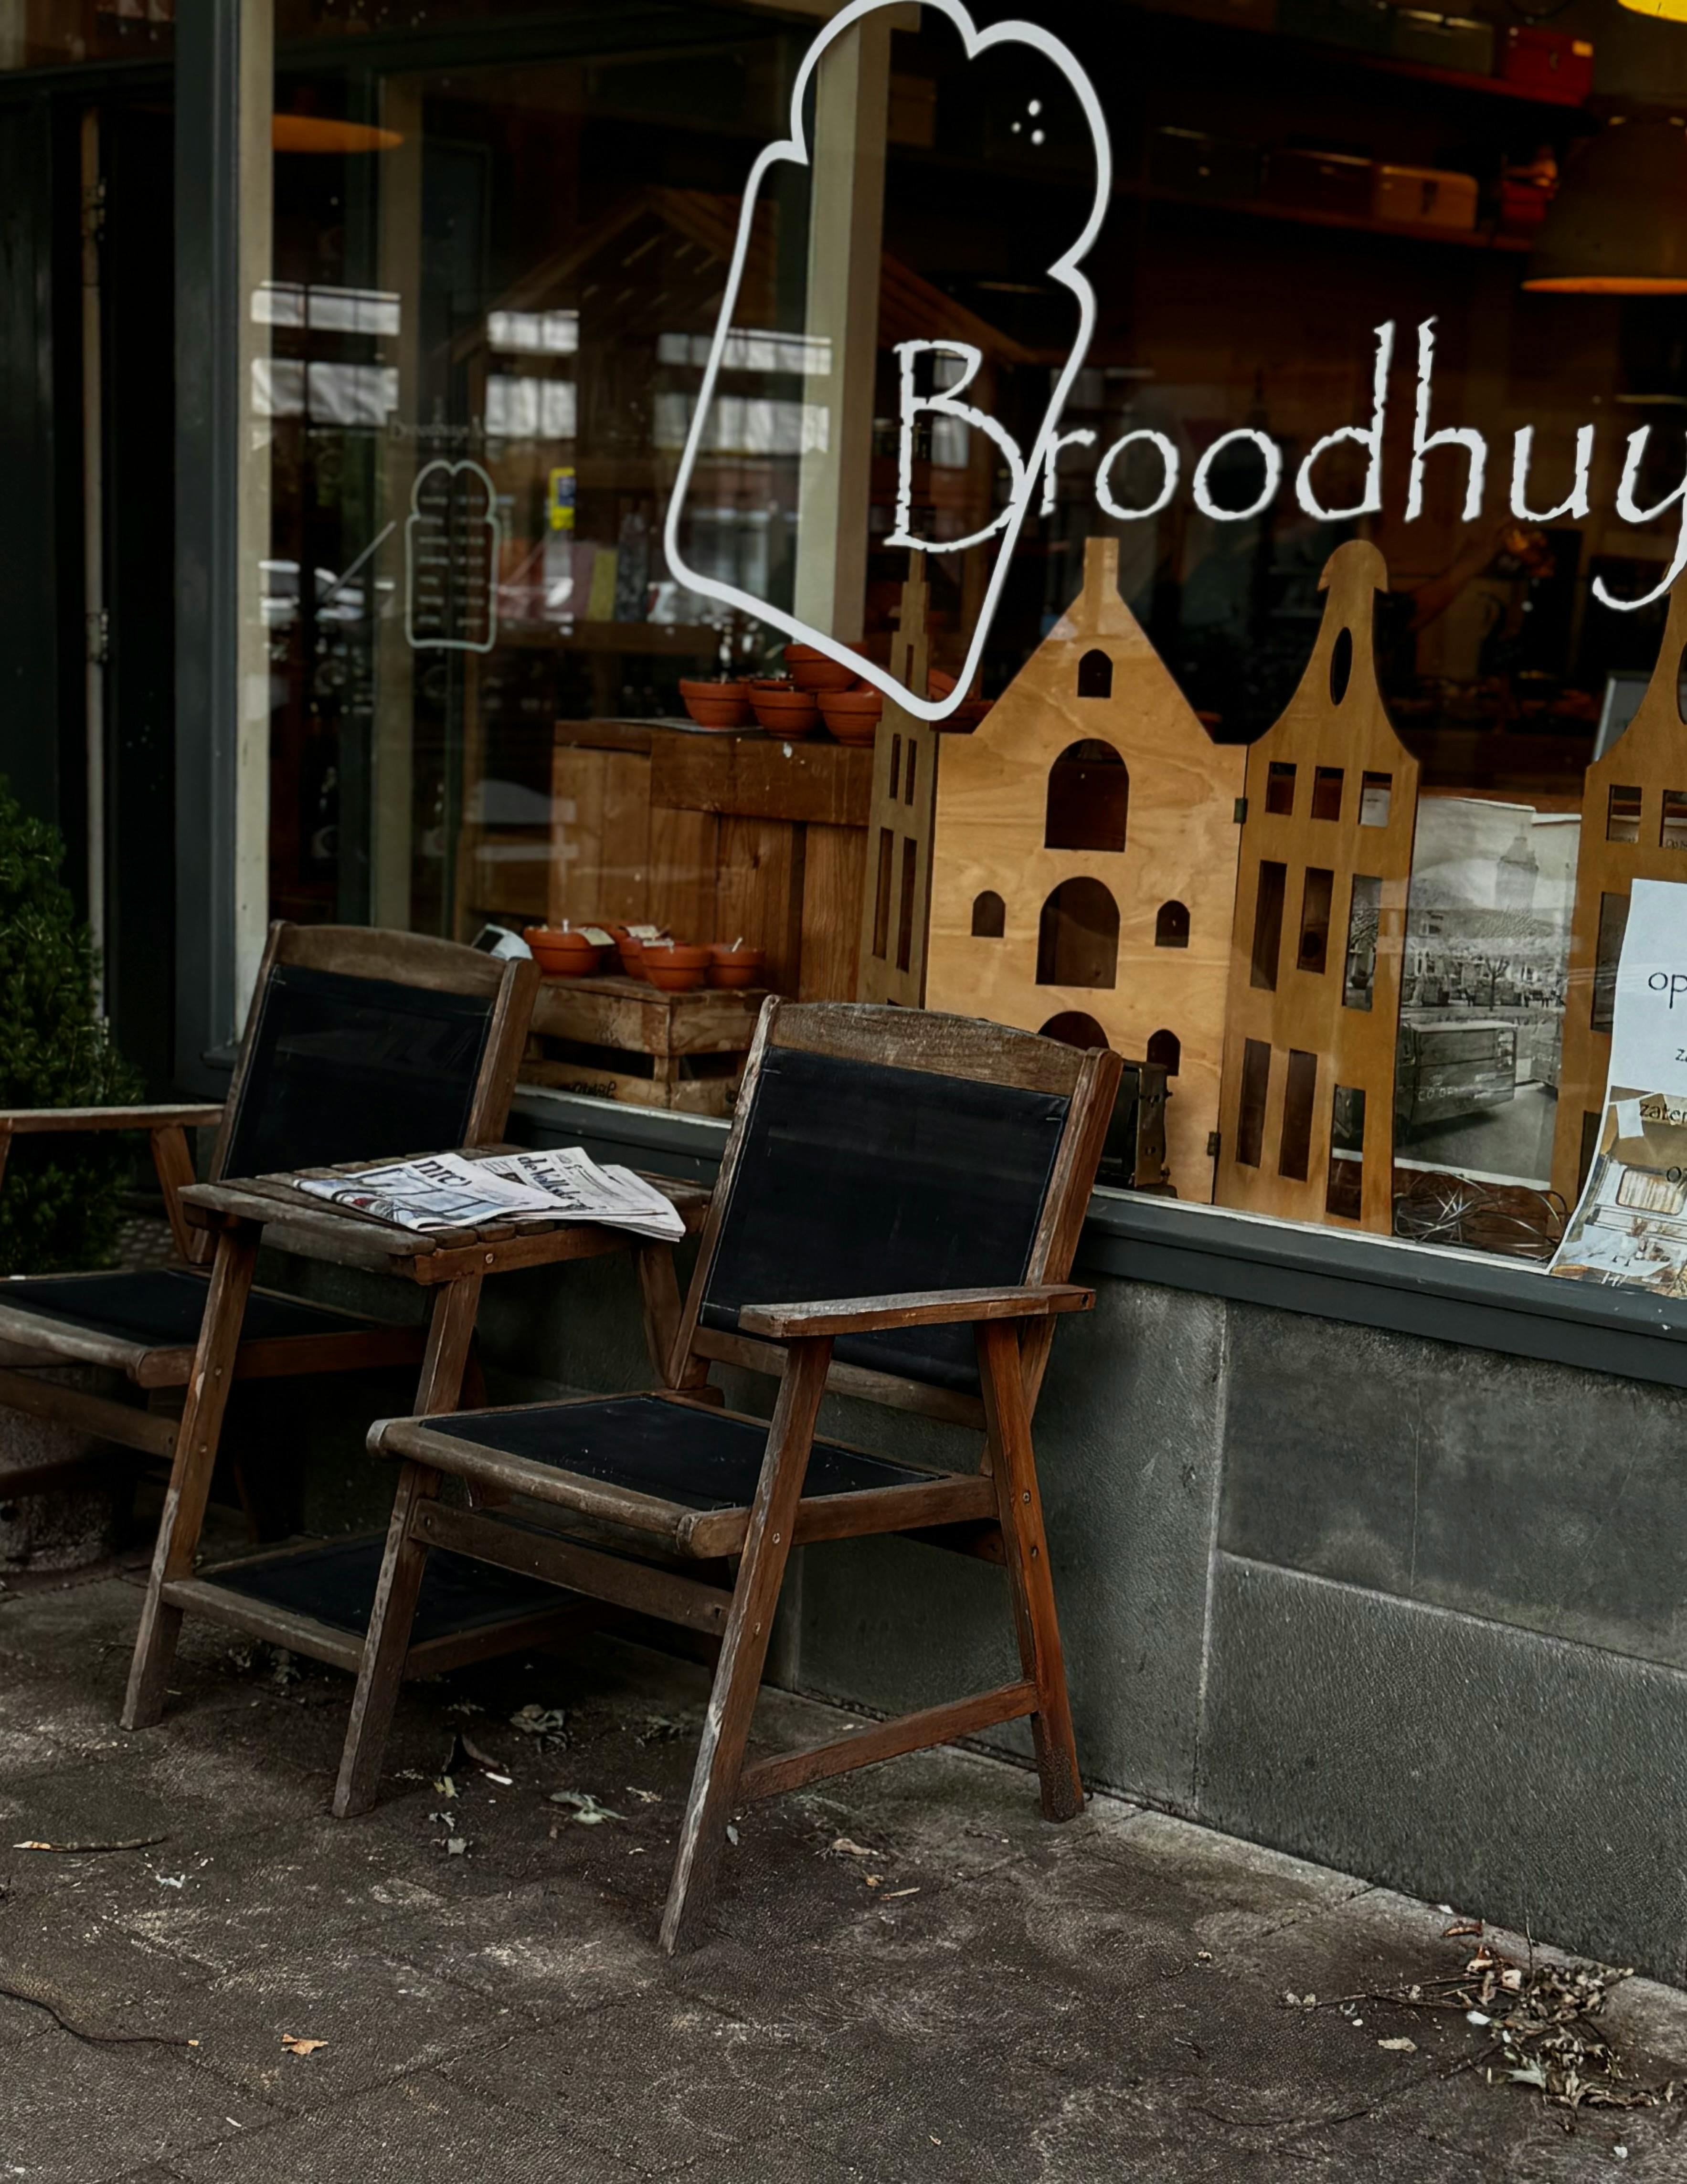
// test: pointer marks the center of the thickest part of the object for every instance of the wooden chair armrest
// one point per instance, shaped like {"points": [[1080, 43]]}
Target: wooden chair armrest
{"points": [[792, 1323], [29, 1121]]}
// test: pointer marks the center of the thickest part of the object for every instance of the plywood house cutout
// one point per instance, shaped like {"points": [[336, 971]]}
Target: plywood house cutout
{"points": [[1083, 877], [895, 899], [1633, 827], [1307, 1128]]}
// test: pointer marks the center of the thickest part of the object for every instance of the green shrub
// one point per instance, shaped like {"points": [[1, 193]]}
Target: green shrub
{"points": [[59, 1198]]}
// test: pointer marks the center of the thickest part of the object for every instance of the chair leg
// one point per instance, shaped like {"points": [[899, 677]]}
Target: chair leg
{"points": [[744, 1648], [386, 1643], [191, 1469], [386, 1647], [1031, 1587]]}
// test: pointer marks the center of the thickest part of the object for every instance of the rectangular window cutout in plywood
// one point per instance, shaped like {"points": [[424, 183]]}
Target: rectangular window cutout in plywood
{"points": [[1376, 794], [1314, 954], [1359, 965], [1344, 1191], [1280, 789], [1671, 834], [1256, 1084], [1327, 793], [1268, 923], [1622, 813], [1614, 923], [881, 900], [1300, 1090], [905, 918]]}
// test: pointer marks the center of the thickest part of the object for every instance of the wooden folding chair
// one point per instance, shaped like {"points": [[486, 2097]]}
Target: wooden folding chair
{"points": [[359, 1045], [924, 1180]]}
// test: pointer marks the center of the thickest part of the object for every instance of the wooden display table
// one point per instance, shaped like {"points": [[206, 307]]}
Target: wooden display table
{"points": [[716, 838], [623, 1038]]}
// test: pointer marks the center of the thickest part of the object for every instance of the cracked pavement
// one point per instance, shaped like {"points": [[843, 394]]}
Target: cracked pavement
{"points": [[962, 1993]]}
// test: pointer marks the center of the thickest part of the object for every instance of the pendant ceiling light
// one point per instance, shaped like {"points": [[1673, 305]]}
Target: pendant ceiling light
{"points": [[316, 132], [1618, 225], [1666, 11]]}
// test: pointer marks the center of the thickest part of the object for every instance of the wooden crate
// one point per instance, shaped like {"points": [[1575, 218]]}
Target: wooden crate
{"points": [[622, 1038], [717, 838]]}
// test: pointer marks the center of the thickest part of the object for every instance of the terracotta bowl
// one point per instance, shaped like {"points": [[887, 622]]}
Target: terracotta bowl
{"points": [[718, 705], [735, 966], [811, 671], [782, 710], [673, 967], [937, 683], [852, 715], [628, 949], [562, 955]]}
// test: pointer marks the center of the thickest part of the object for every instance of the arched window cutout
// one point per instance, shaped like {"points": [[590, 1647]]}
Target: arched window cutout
{"points": [[1166, 1048], [1089, 799], [1074, 1028], [989, 916], [1095, 676], [1171, 926], [1077, 937], [1341, 666]]}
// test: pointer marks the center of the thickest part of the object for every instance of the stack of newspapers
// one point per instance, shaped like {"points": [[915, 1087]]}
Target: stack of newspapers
{"points": [[446, 1191]]}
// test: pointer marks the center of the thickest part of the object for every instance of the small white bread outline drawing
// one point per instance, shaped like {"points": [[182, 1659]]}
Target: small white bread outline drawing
{"points": [[416, 517]]}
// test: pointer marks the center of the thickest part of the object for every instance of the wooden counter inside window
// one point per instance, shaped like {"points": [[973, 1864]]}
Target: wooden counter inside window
{"points": [[717, 838]]}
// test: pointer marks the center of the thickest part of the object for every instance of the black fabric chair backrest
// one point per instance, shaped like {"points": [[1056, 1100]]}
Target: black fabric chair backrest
{"points": [[858, 1179], [348, 1068]]}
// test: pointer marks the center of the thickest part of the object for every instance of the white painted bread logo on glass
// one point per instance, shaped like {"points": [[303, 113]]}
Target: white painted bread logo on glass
{"points": [[961, 363]]}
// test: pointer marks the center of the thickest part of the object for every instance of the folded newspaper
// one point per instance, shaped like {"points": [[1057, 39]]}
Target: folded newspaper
{"points": [[446, 1191]]}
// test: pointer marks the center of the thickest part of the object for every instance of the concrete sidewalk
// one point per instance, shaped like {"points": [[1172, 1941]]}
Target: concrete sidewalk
{"points": [[911, 1976]]}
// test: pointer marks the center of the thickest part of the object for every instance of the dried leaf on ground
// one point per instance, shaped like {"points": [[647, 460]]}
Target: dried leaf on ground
{"points": [[586, 1809], [295, 2045], [1541, 2019], [539, 1721], [849, 1849]]}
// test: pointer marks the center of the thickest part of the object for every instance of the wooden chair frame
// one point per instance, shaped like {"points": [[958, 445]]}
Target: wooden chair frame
{"points": [[995, 1512], [189, 1440]]}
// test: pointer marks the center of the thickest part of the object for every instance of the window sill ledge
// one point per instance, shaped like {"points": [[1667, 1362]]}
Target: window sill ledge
{"points": [[1465, 1297]]}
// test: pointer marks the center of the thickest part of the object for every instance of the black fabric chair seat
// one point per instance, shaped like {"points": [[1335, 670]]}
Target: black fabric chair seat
{"points": [[161, 1307], [334, 1582], [694, 1456]]}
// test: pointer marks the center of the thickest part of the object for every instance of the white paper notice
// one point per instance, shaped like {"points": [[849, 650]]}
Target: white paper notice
{"points": [[1649, 1021]]}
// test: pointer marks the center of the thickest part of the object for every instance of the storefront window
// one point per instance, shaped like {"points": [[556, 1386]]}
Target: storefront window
{"points": [[1315, 647], [58, 33]]}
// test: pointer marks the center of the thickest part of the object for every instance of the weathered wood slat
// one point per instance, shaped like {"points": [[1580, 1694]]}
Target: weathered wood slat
{"points": [[888, 1740], [25, 1122], [950, 1405], [124, 1423], [618, 1578], [951, 1046], [63, 1339], [262, 1618], [964, 1496], [763, 778], [515, 1474], [783, 1322]]}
